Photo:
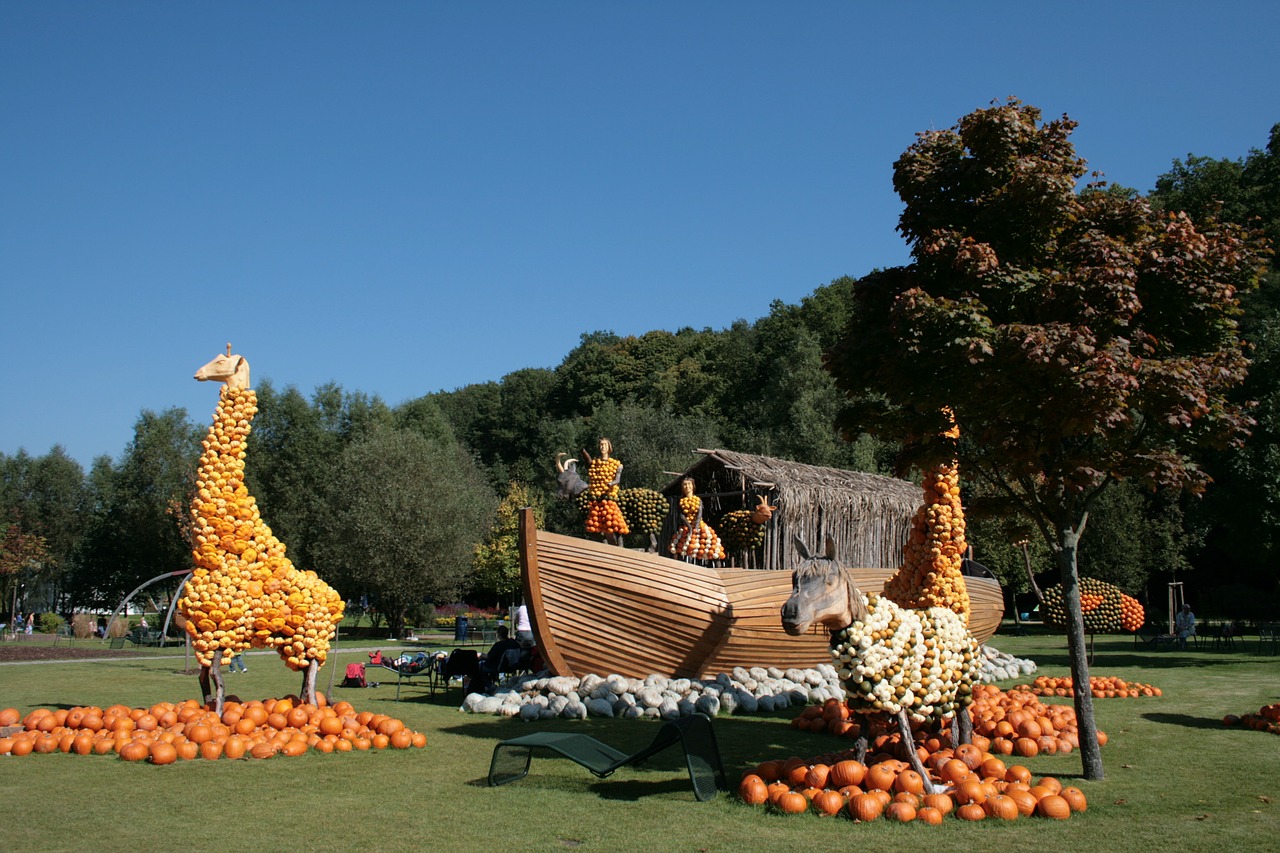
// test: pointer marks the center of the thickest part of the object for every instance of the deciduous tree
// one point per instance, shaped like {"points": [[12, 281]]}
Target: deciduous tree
{"points": [[1079, 337]]}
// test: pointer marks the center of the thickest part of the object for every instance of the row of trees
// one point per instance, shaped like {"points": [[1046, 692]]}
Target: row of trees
{"points": [[394, 503]]}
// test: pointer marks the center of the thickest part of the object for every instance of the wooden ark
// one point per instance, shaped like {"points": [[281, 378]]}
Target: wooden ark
{"points": [[602, 609]]}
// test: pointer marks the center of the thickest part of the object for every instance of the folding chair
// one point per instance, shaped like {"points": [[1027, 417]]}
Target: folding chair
{"points": [[511, 758], [461, 663]]}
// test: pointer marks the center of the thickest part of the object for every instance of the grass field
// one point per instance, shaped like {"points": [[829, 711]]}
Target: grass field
{"points": [[1176, 778]]}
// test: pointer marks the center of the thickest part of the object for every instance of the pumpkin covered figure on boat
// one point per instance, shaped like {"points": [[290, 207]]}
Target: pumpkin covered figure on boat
{"points": [[695, 540], [603, 475]]}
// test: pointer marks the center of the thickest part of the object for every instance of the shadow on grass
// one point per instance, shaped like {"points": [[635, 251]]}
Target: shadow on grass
{"points": [[1120, 652], [1184, 720]]}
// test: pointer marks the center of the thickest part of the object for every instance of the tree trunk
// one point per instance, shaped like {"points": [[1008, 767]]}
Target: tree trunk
{"points": [[1090, 751]]}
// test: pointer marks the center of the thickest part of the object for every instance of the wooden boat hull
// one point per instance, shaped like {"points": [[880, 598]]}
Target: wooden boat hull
{"points": [[602, 609]]}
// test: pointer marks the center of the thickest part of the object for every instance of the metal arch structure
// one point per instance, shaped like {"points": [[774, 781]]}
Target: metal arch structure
{"points": [[164, 630]]}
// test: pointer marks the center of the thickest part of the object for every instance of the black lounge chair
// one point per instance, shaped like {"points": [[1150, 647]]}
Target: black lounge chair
{"points": [[511, 758]]}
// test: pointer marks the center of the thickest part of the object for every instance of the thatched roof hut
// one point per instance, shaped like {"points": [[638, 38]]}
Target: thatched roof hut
{"points": [[867, 515]]}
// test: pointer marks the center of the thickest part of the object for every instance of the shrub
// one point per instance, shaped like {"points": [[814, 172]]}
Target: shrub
{"points": [[83, 625], [50, 623]]}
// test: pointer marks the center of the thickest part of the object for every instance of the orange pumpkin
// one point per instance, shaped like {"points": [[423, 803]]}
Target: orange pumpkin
{"points": [[847, 772], [1075, 798], [880, 777], [827, 803], [1053, 806], [909, 781], [930, 815], [817, 775], [970, 791], [900, 812], [1001, 806], [865, 807], [942, 803], [752, 790], [134, 751], [971, 811], [792, 803]]}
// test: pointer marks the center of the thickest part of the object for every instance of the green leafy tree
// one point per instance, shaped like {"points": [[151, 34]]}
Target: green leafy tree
{"points": [[138, 526], [288, 464], [1078, 337], [496, 562], [1241, 512], [23, 558], [50, 494], [404, 514]]}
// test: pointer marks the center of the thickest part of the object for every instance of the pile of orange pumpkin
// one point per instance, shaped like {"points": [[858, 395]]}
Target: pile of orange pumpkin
{"points": [[167, 732], [1100, 686], [975, 786], [1013, 722], [1266, 720]]}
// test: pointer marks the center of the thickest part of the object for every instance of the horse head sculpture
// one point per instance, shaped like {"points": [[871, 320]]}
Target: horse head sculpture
{"points": [[822, 591]]}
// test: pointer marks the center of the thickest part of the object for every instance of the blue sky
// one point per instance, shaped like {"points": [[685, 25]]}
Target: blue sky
{"points": [[407, 197]]}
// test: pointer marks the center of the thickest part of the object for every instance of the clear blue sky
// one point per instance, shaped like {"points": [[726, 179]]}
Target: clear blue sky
{"points": [[405, 197]]}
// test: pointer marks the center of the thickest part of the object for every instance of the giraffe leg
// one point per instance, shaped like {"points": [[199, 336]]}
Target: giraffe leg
{"points": [[211, 686], [308, 692], [206, 686], [908, 746]]}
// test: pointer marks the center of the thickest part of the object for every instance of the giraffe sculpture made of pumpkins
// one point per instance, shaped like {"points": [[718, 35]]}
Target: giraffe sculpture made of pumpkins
{"points": [[244, 592], [905, 652]]}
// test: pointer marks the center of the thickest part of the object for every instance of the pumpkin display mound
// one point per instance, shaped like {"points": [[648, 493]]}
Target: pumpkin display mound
{"points": [[1267, 719], [167, 732], [976, 785], [1013, 722], [1103, 606], [1100, 687]]}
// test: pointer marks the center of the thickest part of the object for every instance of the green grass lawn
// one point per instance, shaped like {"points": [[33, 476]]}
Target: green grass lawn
{"points": [[1176, 778]]}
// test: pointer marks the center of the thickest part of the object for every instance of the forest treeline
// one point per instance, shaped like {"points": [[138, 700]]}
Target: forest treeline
{"points": [[414, 503]]}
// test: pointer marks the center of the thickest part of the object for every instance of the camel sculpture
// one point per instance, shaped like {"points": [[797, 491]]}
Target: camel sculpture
{"points": [[244, 592]]}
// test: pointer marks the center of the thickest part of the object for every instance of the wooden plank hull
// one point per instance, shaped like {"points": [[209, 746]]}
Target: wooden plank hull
{"points": [[602, 609]]}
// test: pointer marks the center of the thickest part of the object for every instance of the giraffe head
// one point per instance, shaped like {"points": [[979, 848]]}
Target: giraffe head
{"points": [[231, 369]]}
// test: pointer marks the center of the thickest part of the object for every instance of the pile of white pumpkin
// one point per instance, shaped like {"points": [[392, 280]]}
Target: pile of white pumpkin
{"points": [[743, 691], [1002, 666]]}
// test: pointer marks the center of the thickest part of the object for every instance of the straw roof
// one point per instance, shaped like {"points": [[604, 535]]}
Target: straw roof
{"points": [[868, 516]]}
